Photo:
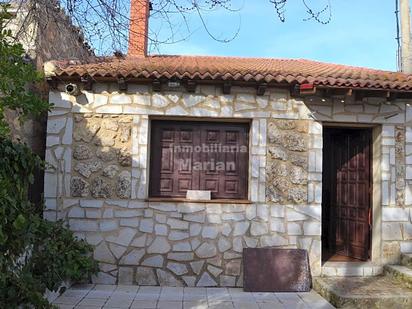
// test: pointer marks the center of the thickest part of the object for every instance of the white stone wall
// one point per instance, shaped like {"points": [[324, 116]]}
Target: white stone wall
{"points": [[199, 244]]}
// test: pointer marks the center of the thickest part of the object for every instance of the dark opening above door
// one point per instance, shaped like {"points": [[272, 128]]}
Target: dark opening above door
{"points": [[346, 206]]}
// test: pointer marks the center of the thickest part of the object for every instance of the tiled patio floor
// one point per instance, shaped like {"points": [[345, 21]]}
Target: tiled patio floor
{"points": [[111, 296]]}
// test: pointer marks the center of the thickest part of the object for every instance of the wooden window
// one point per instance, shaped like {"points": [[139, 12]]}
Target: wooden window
{"points": [[210, 156]]}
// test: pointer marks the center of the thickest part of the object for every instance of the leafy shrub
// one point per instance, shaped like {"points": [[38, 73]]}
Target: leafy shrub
{"points": [[35, 254]]}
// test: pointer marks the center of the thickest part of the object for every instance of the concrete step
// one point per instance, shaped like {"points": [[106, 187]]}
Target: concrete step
{"points": [[351, 269], [406, 259], [400, 272], [364, 292]]}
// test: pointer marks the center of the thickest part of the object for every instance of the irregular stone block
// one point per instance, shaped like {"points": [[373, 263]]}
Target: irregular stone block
{"points": [[110, 171], [197, 266], [391, 231], [206, 281], [237, 244], [106, 153], [277, 225], [210, 232], [190, 208], [233, 217], [120, 99], [79, 225], [139, 242], [182, 246], [133, 257], [159, 100], [124, 157], [124, 236], [227, 281], [231, 256], [161, 229], [195, 229], [130, 222], [159, 245], [195, 217], [395, 214], [273, 241], [117, 250], [100, 188], [312, 228], [102, 254], [124, 183], [224, 244], [177, 224], [178, 235], [215, 271], [190, 100], [56, 125], [241, 228], [87, 169], [233, 268], [177, 268], [206, 250], [76, 212], [154, 261], [189, 280], [128, 213], [167, 279], [258, 228], [179, 256], [146, 225], [79, 187], [250, 242], [145, 276], [108, 225]]}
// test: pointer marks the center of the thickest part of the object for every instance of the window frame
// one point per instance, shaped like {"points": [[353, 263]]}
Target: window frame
{"points": [[243, 195]]}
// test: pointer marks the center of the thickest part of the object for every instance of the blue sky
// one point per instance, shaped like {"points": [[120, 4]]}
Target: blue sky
{"points": [[361, 33]]}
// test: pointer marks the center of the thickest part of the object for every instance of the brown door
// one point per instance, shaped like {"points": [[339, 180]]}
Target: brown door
{"points": [[349, 202]]}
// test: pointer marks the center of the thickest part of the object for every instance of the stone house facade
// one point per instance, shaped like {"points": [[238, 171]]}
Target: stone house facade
{"points": [[113, 178], [98, 146]]}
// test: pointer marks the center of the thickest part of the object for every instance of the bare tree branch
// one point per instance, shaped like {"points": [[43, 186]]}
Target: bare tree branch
{"points": [[105, 23]]}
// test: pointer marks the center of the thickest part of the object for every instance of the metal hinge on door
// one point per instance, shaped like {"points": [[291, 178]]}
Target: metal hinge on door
{"points": [[370, 217]]}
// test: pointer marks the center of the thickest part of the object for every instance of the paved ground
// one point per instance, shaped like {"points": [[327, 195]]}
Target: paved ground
{"points": [[110, 296]]}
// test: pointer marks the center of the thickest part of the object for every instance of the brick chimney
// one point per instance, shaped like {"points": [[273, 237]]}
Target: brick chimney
{"points": [[139, 27]]}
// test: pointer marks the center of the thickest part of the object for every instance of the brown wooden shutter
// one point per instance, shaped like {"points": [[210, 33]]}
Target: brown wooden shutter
{"points": [[231, 181], [199, 156], [171, 171]]}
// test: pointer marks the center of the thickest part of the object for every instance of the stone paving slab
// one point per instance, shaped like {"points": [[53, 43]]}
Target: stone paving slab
{"points": [[134, 297]]}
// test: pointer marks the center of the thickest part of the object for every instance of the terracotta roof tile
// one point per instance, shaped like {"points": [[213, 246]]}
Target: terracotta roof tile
{"points": [[239, 69]]}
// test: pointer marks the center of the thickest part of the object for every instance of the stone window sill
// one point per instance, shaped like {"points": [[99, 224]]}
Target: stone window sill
{"points": [[183, 200]]}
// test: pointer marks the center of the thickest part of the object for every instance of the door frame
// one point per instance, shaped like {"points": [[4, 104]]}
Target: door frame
{"points": [[375, 186]]}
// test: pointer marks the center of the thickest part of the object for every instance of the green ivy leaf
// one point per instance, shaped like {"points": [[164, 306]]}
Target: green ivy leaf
{"points": [[20, 222]]}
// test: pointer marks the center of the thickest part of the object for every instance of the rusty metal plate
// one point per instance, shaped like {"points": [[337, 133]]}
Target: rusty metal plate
{"points": [[276, 270]]}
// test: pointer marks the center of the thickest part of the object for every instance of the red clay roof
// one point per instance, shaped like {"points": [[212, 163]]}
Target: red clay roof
{"points": [[267, 70]]}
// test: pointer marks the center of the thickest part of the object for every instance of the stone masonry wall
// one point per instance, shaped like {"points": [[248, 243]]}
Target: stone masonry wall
{"points": [[196, 244], [287, 167], [101, 156]]}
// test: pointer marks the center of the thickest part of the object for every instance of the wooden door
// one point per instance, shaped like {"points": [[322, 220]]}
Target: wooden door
{"points": [[350, 211]]}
